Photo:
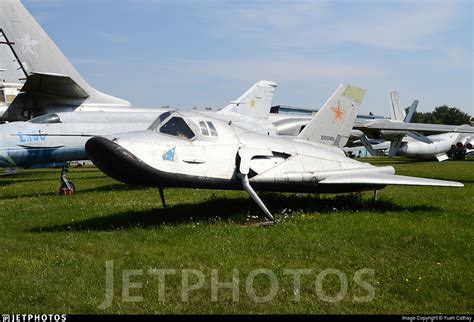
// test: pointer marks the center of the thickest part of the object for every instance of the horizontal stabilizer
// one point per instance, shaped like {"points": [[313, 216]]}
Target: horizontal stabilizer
{"points": [[54, 85], [388, 179]]}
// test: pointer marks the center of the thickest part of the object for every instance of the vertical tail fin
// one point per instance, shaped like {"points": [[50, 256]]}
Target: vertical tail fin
{"points": [[255, 102], [37, 53], [411, 111], [397, 112], [333, 123]]}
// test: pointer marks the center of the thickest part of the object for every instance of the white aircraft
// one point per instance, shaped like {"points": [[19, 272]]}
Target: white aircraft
{"points": [[187, 149], [441, 147], [53, 139]]}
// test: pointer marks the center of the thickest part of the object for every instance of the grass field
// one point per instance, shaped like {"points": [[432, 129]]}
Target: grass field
{"points": [[417, 240]]}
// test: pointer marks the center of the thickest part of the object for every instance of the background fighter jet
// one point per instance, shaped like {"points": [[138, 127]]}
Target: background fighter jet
{"points": [[186, 149], [51, 83]]}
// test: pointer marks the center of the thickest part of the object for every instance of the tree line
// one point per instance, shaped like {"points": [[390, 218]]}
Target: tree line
{"points": [[443, 115]]}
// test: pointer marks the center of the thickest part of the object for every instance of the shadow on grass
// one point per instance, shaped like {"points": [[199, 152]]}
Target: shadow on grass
{"points": [[234, 210], [106, 188], [115, 187]]}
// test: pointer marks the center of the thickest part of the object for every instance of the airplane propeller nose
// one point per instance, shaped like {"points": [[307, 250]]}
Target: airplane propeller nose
{"points": [[117, 162]]}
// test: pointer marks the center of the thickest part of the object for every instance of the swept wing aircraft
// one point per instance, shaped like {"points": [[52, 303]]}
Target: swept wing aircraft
{"points": [[187, 149], [52, 139]]}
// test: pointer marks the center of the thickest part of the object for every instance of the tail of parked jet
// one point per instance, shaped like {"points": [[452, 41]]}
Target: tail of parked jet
{"points": [[48, 72], [397, 112], [256, 102], [333, 123]]}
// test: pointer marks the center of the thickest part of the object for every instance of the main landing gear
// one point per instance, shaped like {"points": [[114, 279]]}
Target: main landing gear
{"points": [[256, 198], [67, 187]]}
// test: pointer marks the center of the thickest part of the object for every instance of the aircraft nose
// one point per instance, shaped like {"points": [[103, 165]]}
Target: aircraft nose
{"points": [[117, 162]]}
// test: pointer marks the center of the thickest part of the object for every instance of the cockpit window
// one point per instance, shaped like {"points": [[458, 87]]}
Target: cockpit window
{"points": [[212, 128], [159, 120], [48, 118], [204, 129], [208, 129], [176, 126]]}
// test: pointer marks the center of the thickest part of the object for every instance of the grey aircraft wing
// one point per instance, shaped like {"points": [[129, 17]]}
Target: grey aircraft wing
{"points": [[383, 125], [387, 179]]}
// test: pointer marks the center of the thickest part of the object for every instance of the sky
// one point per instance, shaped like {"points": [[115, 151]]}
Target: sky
{"points": [[207, 53]]}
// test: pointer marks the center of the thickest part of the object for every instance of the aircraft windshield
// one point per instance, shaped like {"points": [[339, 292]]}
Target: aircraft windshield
{"points": [[159, 120], [48, 118], [176, 126]]}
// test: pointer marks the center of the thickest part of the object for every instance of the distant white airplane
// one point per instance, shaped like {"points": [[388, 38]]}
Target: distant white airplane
{"points": [[187, 149], [443, 144]]}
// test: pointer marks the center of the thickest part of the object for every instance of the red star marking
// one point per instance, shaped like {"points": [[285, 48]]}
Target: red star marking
{"points": [[338, 113]]}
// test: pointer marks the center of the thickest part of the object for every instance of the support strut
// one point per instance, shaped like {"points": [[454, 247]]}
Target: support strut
{"points": [[162, 196], [256, 198]]}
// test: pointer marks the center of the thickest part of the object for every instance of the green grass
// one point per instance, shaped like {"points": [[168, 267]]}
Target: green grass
{"points": [[418, 241]]}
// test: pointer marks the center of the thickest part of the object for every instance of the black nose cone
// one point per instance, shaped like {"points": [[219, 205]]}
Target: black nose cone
{"points": [[118, 163]]}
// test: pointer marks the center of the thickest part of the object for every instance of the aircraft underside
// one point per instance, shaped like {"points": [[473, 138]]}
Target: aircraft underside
{"points": [[124, 166]]}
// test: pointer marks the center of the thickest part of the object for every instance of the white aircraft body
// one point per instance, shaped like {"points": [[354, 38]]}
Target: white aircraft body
{"points": [[54, 139], [441, 146], [187, 149]]}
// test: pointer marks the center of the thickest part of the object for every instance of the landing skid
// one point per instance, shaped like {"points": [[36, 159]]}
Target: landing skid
{"points": [[67, 187]]}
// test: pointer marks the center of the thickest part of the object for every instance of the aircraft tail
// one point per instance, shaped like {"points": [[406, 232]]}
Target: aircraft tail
{"points": [[255, 102], [411, 112], [36, 53], [333, 123], [397, 112]]}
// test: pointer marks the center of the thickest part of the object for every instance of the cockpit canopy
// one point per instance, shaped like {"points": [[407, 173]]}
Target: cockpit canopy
{"points": [[46, 119], [176, 124], [173, 124]]}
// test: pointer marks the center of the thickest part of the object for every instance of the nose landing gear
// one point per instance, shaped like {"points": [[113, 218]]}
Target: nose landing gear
{"points": [[67, 187]]}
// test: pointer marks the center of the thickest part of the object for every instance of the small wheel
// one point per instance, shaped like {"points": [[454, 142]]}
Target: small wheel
{"points": [[65, 191]]}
